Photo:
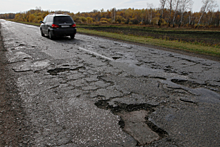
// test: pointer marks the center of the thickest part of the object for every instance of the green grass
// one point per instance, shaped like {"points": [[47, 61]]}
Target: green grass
{"points": [[207, 50]]}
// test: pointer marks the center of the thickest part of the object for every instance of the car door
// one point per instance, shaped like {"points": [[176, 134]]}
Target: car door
{"points": [[43, 25], [49, 23]]}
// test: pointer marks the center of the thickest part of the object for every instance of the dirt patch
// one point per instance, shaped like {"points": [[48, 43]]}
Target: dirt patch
{"points": [[13, 130]]}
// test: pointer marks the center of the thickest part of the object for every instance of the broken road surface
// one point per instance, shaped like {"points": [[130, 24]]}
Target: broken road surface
{"points": [[98, 92]]}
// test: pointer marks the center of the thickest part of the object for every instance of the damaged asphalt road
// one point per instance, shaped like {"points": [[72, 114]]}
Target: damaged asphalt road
{"points": [[97, 92]]}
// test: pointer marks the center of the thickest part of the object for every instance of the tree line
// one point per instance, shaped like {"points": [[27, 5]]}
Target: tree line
{"points": [[171, 13]]}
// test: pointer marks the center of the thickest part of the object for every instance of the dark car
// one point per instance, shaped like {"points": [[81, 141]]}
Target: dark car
{"points": [[56, 25]]}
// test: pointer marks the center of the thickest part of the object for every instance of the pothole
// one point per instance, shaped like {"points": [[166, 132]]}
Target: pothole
{"points": [[134, 124], [59, 70], [186, 83], [115, 58], [162, 133], [21, 44], [160, 78], [134, 121], [103, 104], [186, 100]]}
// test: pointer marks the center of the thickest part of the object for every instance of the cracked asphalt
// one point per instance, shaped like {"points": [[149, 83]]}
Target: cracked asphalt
{"points": [[93, 91]]}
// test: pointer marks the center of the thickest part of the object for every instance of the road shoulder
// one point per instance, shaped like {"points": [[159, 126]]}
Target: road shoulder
{"points": [[13, 131]]}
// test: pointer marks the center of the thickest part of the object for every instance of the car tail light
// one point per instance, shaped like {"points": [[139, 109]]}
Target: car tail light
{"points": [[55, 26], [74, 25]]}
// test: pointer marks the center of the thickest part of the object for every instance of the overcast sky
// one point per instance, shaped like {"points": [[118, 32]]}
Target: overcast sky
{"points": [[14, 6]]}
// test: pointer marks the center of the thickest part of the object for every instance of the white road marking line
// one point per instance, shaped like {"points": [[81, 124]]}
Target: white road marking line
{"points": [[96, 54]]}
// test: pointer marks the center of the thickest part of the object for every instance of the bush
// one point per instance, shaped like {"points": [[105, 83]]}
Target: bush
{"points": [[83, 19], [120, 19], [38, 19], [155, 20], [77, 20], [127, 21], [135, 21], [104, 22], [89, 20]]}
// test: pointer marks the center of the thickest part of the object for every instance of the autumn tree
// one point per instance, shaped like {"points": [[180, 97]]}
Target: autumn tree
{"points": [[162, 5], [185, 5], [176, 4], [150, 13], [170, 11], [208, 5], [170, 7], [217, 20], [113, 14]]}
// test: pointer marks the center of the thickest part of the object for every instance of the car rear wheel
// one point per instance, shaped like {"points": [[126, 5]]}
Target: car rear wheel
{"points": [[72, 36], [50, 35]]}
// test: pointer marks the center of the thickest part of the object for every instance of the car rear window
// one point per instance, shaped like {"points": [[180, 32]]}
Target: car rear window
{"points": [[63, 19]]}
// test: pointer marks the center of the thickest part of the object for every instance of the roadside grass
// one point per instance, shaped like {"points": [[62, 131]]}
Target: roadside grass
{"points": [[29, 23], [195, 48], [198, 47], [205, 37]]}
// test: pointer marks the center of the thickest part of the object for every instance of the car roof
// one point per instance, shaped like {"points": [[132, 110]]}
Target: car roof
{"points": [[58, 14]]}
